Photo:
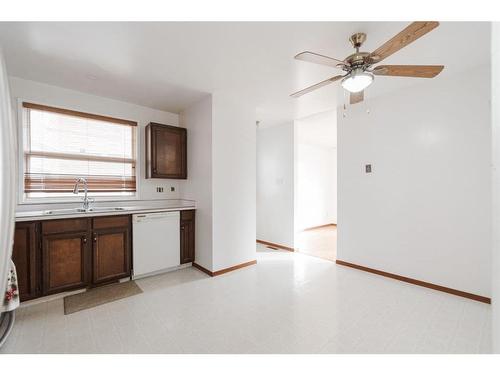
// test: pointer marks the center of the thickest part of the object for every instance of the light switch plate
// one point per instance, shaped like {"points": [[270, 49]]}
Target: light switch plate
{"points": [[368, 168]]}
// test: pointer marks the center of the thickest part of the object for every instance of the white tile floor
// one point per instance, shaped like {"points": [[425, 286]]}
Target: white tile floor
{"points": [[287, 303]]}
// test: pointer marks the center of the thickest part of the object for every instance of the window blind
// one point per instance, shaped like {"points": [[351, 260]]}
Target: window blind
{"points": [[61, 145]]}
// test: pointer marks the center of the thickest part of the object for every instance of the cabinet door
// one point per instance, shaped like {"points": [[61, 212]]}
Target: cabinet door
{"points": [[187, 236], [65, 261], [25, 256], [111, 254], [168, 148]]}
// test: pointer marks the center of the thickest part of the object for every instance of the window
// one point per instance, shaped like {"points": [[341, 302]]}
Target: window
{"points": [[61, 145]]}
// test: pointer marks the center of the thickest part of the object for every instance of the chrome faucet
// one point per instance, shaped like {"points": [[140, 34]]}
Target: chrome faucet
{"points": [[86, 199]]}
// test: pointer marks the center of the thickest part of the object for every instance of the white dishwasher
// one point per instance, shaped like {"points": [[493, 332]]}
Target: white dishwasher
{"points": [[156, 241]]}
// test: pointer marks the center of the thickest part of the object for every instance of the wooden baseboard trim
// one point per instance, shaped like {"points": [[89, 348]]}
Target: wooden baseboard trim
{"points": [[225, 270], [203, 269], [276, 245], [424, 284], [319, 227], [238, 266]]}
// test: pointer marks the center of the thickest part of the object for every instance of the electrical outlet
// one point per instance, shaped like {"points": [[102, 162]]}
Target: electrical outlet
{"points": [[172, 188]]}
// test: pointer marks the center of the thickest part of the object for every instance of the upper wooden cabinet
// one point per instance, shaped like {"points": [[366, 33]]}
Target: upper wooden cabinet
{"points": [[166, 151]]}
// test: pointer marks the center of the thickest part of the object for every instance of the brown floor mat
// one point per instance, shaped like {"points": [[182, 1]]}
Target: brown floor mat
{"points": [[99, 296]]}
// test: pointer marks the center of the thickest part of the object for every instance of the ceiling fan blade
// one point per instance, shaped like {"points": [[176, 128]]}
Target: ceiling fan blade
{"points": [[414, 31], [318, 59], [419, 71], [356, 97], [316, 86]]}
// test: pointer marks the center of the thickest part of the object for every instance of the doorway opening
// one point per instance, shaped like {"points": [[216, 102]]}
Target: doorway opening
{"points": [[315, 167]]}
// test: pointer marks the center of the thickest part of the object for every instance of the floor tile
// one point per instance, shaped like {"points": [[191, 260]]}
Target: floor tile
{"points": [[287, 303]]}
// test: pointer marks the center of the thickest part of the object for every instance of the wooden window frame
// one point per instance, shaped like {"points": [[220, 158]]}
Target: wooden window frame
{"points": [[70, 112], [23, 117]]}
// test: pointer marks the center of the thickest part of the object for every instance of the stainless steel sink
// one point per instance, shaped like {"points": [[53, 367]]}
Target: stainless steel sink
{"points": [[63, 211], [69, 211], [105, 209]]}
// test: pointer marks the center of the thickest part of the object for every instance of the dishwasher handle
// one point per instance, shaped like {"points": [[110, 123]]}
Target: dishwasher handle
{"points": [[138, 218]]}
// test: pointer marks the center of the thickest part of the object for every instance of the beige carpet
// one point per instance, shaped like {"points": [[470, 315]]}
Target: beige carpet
{"points": [[99, 296], [319, 242]]}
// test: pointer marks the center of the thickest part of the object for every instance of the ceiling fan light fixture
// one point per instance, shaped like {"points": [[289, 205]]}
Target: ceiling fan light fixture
{"points": [[357, 80]]}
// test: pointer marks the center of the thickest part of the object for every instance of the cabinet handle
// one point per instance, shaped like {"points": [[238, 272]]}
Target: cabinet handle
{"points": [[95, 239], [85, 239]]}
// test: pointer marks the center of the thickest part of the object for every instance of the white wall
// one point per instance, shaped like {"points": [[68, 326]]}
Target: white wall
{"points": [[495, 105], [234, 180], [59, 97], [316, 170], [425, 211], [275, 184], [198, 121], [316, 186], [222, 179]]}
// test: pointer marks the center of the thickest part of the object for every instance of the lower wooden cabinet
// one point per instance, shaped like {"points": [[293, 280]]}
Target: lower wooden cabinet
{"points": [[26, 257], [65, 262], [111, 249], [53, 256], [65, 255], [187, 236]]}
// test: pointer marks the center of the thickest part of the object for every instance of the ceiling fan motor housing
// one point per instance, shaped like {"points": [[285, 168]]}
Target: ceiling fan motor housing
{"points": [[357, 59]]}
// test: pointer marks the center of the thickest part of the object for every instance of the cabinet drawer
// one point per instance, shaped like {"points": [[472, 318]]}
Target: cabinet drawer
{"points": [[65, 225], [187, 215], [111, 222]]}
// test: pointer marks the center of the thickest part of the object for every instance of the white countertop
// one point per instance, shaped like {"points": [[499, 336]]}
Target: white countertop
{"points": [[125, 208]]}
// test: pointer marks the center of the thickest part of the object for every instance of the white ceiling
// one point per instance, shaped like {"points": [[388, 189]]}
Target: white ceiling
{"points": [[169, 65]]}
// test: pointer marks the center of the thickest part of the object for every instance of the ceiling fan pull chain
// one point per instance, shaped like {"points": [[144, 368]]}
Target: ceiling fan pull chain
{"points": [[344, 114]]}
